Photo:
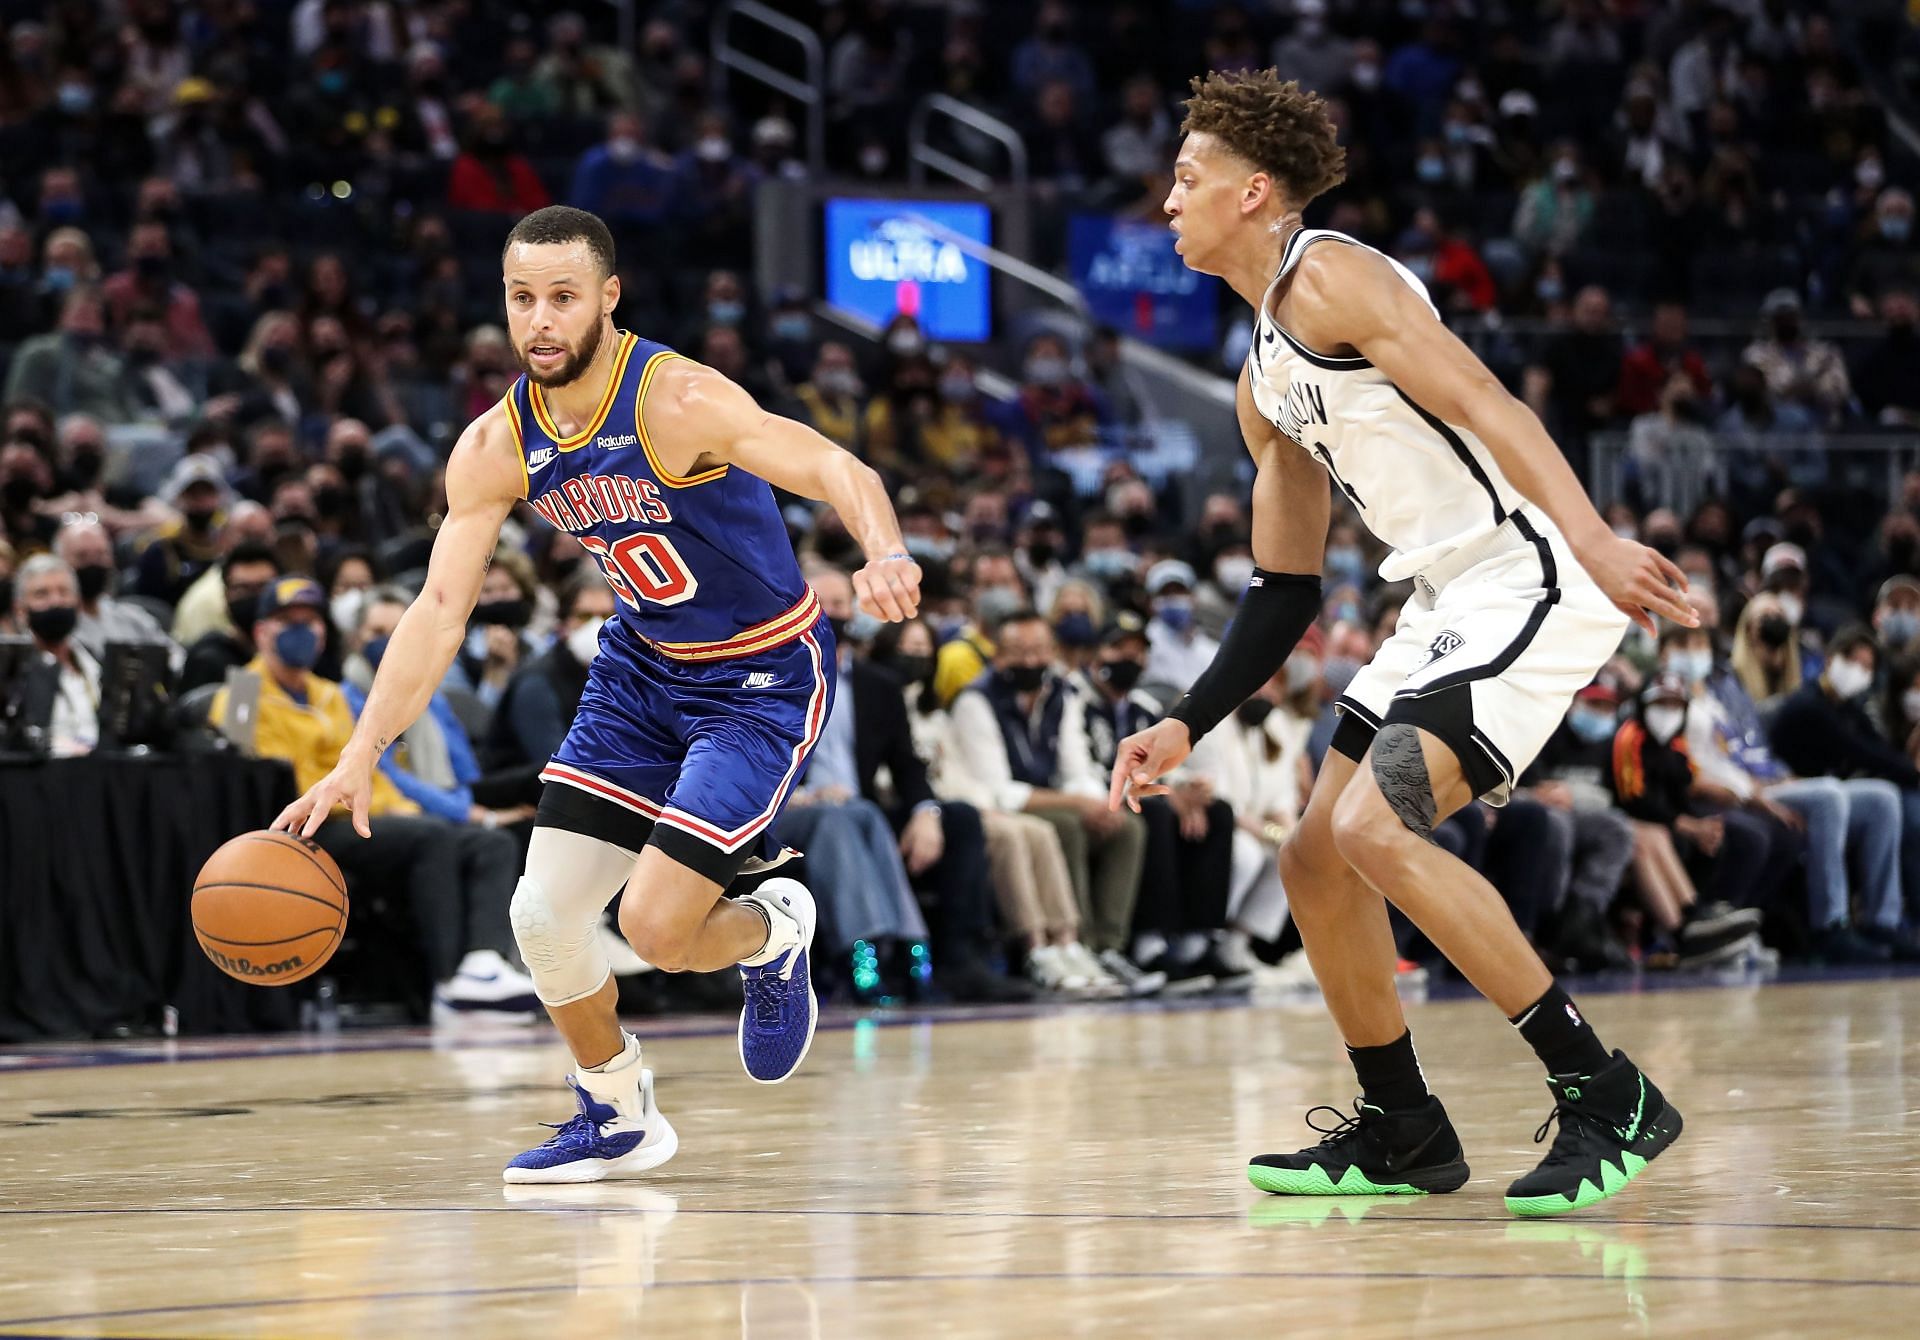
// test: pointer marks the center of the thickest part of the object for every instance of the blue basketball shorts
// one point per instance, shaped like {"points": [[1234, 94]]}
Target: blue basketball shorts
{"points": [[694, 757]]}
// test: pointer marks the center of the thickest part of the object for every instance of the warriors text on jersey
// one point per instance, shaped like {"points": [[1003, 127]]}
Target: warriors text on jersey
{"points": [[701, 563], [1425, 487]]}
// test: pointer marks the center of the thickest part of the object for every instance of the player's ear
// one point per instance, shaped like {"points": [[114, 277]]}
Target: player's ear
{"points": [[609, 294], [1258, 190]]}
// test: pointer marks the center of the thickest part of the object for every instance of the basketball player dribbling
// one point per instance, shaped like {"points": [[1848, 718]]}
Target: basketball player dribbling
{"points": [[711, 687], [1521, 593]]}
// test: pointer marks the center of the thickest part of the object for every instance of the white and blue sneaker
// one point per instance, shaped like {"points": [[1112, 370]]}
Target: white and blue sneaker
{"points": [[601, 1141], [776, 1022], [486, 987]]}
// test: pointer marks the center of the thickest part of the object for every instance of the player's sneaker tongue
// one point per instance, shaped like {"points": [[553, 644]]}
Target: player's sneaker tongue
{"points": [[1612, 1124]]}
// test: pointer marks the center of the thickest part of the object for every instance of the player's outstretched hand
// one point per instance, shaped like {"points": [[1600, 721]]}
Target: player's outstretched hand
{"points": [[348, 784], [889, 588], [1143, 756], [1641, 582]]}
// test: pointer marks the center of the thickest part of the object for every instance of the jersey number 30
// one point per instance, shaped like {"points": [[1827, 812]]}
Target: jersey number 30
{"points": [[643, 566]]}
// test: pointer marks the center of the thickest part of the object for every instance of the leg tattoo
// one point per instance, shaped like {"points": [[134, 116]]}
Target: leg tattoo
{"points": [[1400, 770]]}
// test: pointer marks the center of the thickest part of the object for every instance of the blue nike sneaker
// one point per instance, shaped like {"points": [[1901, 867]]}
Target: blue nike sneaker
{"points": [[776, 1022], [601, 1141]]}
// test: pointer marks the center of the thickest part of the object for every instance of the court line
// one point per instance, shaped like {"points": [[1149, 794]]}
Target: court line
{"points": [[967, 1277], [1222, 1216]]}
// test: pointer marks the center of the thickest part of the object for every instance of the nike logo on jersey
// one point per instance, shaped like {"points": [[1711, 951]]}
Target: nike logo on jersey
{"points": [[540, 457], [761, 679]]}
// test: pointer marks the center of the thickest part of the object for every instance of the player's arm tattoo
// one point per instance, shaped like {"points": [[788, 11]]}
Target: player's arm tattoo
{"points": [[1400, 770]]}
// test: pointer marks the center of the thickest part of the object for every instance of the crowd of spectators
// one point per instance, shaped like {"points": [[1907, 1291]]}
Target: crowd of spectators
{"points": [[249, 287]]}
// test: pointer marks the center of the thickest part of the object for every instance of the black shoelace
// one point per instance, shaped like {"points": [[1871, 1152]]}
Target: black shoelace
{"points": [[1345, 1129]]}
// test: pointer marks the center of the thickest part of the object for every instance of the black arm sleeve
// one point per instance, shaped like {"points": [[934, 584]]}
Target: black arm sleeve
{"points": [[1276, 609]]}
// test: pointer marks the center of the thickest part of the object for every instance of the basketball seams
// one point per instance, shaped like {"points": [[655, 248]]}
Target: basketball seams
{"points": [[260, 944], [292, 843], [275, 888]]}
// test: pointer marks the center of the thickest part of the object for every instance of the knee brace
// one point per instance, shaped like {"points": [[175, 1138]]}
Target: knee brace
{"points": [[558, 942], [1400, 771]]}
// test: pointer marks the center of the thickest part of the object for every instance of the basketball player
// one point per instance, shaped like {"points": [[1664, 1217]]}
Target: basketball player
{"points": [[1521, 592], [708, 693]]}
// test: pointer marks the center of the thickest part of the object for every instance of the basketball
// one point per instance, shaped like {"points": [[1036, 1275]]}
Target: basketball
{"points": [[269, 908]]}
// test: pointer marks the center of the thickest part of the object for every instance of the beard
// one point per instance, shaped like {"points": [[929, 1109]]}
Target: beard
{"points": [[575, 362]]}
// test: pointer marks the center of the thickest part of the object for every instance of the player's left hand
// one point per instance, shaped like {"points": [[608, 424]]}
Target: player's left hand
{"points": [[1640, 581], [889, 588]]}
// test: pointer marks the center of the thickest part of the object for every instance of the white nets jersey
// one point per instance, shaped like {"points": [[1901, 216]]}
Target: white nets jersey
{"points": [[1423, 486]]}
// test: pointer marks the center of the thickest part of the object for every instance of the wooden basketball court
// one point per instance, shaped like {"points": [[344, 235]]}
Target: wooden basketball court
{"points": [[1069, 1172]]}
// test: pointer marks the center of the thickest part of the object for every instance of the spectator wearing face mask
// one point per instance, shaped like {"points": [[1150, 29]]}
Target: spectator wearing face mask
{"points": [[1107, 557], [1077, 614], [1653, 782], [1805, 371], [1766, 651], [1226, 581], [1178, 650], [1849, 824], [497, 638], [1056, 410], [1823, 729], [72, 368], [1896, 616], [534, 712], [246, 571], [998, 592], [174, 556], [46, 602], [1887, 258], [830, 399], [1571, 780], [83, 545], [1181, 918]]}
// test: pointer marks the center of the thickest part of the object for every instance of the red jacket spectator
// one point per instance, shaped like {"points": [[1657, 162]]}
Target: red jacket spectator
{"points": [[1649, 366], [491, 176], [1459, 267]]}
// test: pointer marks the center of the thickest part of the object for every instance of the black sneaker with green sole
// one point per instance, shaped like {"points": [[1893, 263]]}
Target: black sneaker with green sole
{"points": [[1371, 1153], [1612, 1124]]}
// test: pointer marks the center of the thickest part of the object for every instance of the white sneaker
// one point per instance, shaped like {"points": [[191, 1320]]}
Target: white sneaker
{"points": [[486, 986], [620, 956], [1048, 969], [1292, 973], [1101, 984], [1137, 980], [600, 1141]]}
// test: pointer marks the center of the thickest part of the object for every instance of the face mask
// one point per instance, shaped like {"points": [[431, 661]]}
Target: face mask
{"points": [[1339, 673], [623, 148], [925, 547], [1848, 679], [297, 645], [507, 613], [201, 518], [836, 382], [1176, 614], [1344, 566], [375, 650], [353, 462], [839, 627], [276, 358], [1899, 626], [1692, 666], [1591, 726], [1663, 723], [864, 627], [75, 99], [1774, 631], [1792, 606], [94, 579], [1366, 77], [58, 278], [1910, 704], [713, 149], [1870, 174], [153, 269], [1076, 630], [1431, 168], [1896, 228], [1120, 676], [19, 491], [873, 161], [1254, 711], [54, 624], [996, 604], [1549, 289], [332, 500], [1232, 572], [913, 669], [1041, 553], [1110, 564], [957, 390], [726, 312], [583, 643], [905, 341], [946, 627], [243, 612], [345, 608], [1046, 370], [1302, 672], [793, 328], [1024, 678]]}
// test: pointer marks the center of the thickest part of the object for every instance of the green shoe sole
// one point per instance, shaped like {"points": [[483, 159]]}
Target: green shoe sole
{"points": [[1613, 1180], [1314, 1181]]}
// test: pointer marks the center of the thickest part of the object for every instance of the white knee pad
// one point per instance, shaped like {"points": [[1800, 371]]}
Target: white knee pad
{"points": [[559, 942]]}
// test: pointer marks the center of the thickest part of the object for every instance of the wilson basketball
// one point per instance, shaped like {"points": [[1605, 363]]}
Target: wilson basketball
{"points": [[269, 908]]}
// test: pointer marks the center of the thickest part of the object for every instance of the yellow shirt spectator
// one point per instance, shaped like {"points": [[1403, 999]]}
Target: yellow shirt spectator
{"points": [[310, 735]]}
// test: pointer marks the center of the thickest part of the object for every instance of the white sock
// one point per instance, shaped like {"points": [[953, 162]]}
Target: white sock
{"points": [[783, 933], [616, 1082], [628, 1055]]}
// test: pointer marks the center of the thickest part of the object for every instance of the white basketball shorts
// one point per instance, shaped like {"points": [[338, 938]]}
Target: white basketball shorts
{"points": [[1490, 649]]}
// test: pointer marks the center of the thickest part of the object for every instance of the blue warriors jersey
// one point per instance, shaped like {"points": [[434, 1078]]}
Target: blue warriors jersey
{"points": [[701, 563]]}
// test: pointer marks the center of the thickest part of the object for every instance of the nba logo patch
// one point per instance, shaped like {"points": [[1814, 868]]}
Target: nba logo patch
{"points": [[1444, 645]]}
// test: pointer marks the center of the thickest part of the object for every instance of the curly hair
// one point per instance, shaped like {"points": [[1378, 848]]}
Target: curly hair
{"points": [[1273, 123]]}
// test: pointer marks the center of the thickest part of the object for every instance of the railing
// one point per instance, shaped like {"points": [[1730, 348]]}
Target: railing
{"points": [[1683, 468], [921, 155], [809, 90]]}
